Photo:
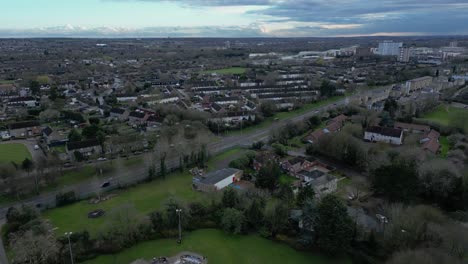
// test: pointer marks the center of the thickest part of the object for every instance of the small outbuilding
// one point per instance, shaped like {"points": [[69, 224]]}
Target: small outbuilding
{"points": [[217, 180]]}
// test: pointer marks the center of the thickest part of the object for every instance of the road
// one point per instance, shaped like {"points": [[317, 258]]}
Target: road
{"points": [[87, 188]]}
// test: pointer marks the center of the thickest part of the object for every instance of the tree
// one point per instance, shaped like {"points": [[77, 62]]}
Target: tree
{"points": [[53, 93], [162, 167], [267, 108], [79, 157], [232, 221], [74, 136], [35, 87], [34, 248], [304, 194], [124, 227], [280, 150], [268, 176], [398, 181], [157, 221], [327, 88], [230, 198], [254, 215], [91, 132], [28, 166], [276, 218], [334, 226], [151, 173]]}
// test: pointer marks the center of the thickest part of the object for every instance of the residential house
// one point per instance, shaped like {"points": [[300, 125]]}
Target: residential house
{"points": [[430, 142], [86, 147], [54, 137], [413, 128], [333, 126], [137, 118], [118, 113], [27, 101], [25, 129], [154, 121], [217, 180], [322, 182], [384, 134]]}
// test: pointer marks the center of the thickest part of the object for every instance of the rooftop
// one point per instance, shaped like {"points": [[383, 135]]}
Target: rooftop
{"points": [[217, 176]]}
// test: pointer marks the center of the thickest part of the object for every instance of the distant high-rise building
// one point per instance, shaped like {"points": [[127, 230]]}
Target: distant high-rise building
{"points": [[227, 44], [389, 48], [404, 55], [453, 44]]}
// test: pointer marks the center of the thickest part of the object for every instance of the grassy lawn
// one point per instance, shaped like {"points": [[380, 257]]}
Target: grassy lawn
{"points": [[232, 70], [218, 247], [145, 197], [133, 161], [444, 146], [6, 82], [344, 182], [285, 115], [443, 113], [59, 149], [14, 152], [225, 157], [286, 179], [71, 177]]}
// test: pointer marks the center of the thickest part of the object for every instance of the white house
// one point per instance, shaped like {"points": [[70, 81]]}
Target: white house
{"points": [[384, 134], [216, 180]]}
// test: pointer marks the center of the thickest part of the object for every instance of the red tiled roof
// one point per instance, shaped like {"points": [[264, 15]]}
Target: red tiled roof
{"points": [[432, 146]]}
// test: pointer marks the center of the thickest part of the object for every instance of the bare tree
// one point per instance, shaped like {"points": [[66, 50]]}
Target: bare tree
{"points": [[34, 248]]}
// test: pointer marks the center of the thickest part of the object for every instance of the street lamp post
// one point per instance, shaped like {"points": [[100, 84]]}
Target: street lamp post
{"points": [[68, 234], [179, 211]]}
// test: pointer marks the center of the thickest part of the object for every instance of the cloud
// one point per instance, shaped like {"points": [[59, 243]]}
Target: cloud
{"points": [[332, 17], [294, 18], [123, 32]]}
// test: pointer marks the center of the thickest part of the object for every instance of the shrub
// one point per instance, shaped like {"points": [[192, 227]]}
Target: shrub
{"points": [[62, 199]]}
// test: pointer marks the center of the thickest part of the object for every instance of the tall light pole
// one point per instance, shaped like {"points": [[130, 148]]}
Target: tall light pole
{"points": [[68, 234], [179, 211]]}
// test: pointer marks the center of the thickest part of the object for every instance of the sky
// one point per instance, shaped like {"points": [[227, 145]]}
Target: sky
{"points": [[232, 18]]}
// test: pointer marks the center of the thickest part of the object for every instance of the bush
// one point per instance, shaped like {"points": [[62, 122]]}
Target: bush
{"points": [[62, 199]]}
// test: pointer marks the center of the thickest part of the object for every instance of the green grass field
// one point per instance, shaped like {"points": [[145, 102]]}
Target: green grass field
{"points": [[6, 82], [218, 247], [13, 152], [232, 70], [444, 146], [286, 179], [145, 197], [225, 157], [442, 114]]}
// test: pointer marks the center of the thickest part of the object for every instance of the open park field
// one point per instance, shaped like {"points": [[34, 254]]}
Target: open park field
{"points": [[146, 198], [13, 152], [218, 247], [444, 114], [232, 70]]}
